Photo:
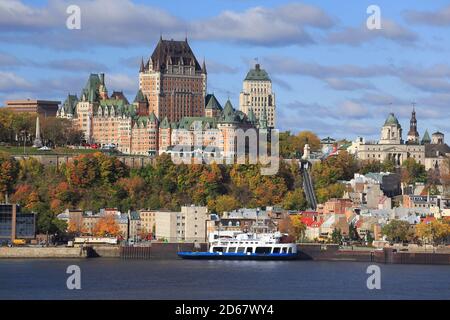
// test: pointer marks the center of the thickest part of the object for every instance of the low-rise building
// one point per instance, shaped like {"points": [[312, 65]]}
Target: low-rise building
{"points": [[15, 224], [41, 107], [188, 225]]}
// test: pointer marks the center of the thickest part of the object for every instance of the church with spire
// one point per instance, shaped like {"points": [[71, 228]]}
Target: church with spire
{"points": [[429, 151], [171, 106]]}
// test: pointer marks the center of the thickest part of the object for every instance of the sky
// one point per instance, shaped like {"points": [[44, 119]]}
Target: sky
{"points": [[330, 73]]}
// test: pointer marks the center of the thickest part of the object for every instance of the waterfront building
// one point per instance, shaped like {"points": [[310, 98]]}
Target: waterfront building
{"points": [[257, 95], [45, 108], [173, 82], [134, 225], [148, 223], [247, 220], [187, 225], [15, 224], [84, 222], [430, 152]]}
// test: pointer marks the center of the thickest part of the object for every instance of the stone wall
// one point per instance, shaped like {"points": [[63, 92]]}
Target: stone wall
{"points": [[41, 252], [59, 159]]}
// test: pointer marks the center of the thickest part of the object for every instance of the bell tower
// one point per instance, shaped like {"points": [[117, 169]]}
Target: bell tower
{"points": [[413, 134]]}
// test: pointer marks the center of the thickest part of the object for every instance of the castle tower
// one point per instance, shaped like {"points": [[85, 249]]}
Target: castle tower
{"points": [[173, 81], [413, 134]]}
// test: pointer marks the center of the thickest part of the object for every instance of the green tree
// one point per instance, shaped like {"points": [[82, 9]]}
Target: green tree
{"points": [[295, 200], [397, 231], [413, 172], [336, 236], [353, 232]]}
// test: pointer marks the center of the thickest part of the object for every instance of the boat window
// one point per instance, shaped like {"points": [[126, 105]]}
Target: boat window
{"points": [[240, 249], [290, 250], [284, 250], [263, 250], [232, 249], [249, 250], [218, 249], [276, 250]]}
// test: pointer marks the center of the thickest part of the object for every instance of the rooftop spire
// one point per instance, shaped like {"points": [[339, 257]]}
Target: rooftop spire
{"points": [[204, 66], [141, 69]]}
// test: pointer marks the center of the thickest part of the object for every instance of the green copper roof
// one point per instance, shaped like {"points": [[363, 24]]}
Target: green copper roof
{"points": [[112, 102], [426, 138], [165, 123], [145, 120], [391, 120], [140, 97], [70, 103], [263, 119], [251, 116], [228, 114], [198, 123], [213, 103], [91, 89], [257, 74], [118, 107]]}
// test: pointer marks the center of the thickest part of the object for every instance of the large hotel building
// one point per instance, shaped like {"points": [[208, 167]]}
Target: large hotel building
{"points": [[173, 81], [170, 108]]}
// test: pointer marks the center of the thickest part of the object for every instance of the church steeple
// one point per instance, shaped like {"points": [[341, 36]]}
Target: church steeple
{"points": [[413, 134]]}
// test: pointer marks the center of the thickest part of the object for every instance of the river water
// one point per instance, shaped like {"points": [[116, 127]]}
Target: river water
{"points": [[190, 279]]}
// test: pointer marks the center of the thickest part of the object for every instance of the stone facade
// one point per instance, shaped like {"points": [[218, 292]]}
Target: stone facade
{"points": [[429, 152], [257, 95], [171, 108], [173, 81]]}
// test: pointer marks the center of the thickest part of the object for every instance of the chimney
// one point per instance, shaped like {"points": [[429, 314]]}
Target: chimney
{"points": [[102, 78]]}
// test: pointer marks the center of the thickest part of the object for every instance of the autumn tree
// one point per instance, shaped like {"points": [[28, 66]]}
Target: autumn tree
{"points": [[298, 228], [397, 231], [434, 232], [413, 172], [295, 200], [9, 170], [106, 226], [223, 203]]}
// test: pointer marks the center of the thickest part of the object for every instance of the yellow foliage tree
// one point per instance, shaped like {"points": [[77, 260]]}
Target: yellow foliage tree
{"points": [[298, 228], [435, 231]]}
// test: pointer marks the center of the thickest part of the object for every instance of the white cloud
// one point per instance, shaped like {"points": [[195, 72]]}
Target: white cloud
{"points": [[390, 30], [438, 18], [10, 82], [279, 26]]}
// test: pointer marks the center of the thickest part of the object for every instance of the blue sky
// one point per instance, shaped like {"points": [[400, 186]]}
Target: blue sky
{"points": [[331, 74]]}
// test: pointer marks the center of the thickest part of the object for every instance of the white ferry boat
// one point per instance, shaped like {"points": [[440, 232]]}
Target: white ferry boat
{"points": [[246, 247]]}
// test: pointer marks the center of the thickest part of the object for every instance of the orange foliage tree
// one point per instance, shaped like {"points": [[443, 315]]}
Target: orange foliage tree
{"points": [[106, 226]]}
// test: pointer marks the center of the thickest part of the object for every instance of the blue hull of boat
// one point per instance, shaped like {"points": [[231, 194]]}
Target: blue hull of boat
{"points": [[236, 256]]}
